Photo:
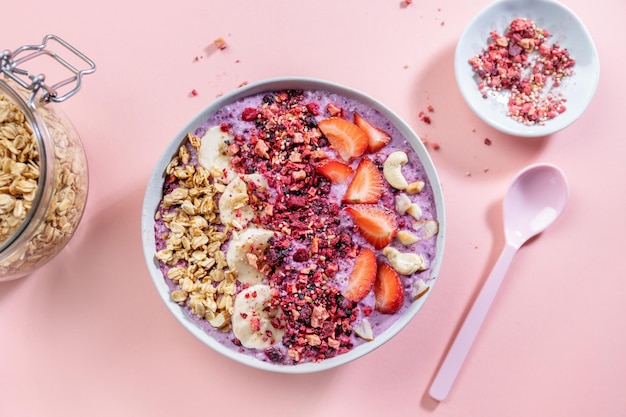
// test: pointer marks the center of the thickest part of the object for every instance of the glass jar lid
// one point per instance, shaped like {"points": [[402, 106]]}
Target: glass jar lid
{"points": [[12, 64]]}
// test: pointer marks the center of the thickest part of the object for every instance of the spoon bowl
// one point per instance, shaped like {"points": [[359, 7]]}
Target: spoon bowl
{"points": [[534, 200]]}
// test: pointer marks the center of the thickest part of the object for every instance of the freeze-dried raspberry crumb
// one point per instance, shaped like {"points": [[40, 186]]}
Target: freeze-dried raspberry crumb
{"points": [[301, 255], [334, 110], [249, 114], [274, 354], [487, 141], [220, 43], [313, 108]]}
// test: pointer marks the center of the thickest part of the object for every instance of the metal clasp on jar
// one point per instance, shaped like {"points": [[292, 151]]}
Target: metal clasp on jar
{"points": [[11, 64]]}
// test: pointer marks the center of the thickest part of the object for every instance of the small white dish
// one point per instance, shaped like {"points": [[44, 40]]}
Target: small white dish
{"points": [[564, 27]]}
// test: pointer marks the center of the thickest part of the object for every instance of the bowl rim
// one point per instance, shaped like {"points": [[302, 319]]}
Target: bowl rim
{"points": [[153, 194], [469, 90]]}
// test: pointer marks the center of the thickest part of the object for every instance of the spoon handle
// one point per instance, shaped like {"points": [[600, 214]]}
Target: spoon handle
{"points": [[474, 319]]}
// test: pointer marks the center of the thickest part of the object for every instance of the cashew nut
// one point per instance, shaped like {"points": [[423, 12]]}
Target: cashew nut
{"points": [[407, 238], [403, 202], [415, 210], [405, 263], [419, 289], [404, 205], [364, 330], [415, 187], [392, 169], [426, 228]]}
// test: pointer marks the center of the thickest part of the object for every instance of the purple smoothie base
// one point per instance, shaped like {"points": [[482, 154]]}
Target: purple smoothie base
{"points": [[412, 171]]}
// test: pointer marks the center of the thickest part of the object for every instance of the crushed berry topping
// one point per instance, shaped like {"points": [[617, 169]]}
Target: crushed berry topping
{"points": [[522, 62], [284, 145]]}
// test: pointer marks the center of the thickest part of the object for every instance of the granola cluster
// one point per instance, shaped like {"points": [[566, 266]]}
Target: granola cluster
{"points": [[193, 240]]}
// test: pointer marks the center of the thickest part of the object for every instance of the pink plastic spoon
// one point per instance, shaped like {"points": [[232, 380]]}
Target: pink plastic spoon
{"points": [[534, 200]]}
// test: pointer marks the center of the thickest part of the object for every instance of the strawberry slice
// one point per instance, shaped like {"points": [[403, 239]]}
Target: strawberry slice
{"points": [[345, 137], [377, 224], [361, 280], [367, 184], [388, 290], [335, 171], [376, 137]]}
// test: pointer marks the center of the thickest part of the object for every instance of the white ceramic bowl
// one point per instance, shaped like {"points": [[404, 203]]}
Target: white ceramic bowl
{"points": [[564, 27], [154, 193]]}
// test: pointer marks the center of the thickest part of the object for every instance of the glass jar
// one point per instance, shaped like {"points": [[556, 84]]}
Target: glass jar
{"points": [[43, 168]]}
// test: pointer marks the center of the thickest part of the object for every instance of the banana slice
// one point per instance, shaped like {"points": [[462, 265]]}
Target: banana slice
{"points": [[253, 320], [243, 251], [259, 180], [213, 153], [234, 204]]}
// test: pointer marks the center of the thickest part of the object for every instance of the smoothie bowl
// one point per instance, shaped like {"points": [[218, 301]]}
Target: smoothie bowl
{"points": [[294, 225]]}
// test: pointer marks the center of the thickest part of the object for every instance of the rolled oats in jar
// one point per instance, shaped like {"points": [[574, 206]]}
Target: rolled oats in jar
{"points": [[43, 168]]}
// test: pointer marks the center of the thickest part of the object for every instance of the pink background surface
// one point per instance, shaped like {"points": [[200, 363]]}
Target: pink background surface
{"points": [[88, 334]]}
